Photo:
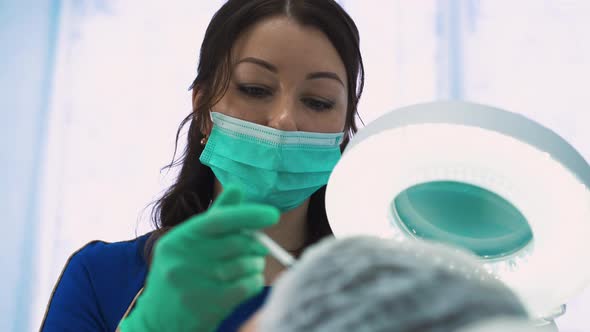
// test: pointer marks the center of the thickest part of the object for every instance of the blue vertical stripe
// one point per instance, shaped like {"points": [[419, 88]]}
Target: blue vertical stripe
{"points": [[449, 34], [32, 218], [455, 50]]}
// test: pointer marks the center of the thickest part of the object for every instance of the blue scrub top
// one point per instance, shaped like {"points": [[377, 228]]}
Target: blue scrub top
{"points": [[99, 283]]}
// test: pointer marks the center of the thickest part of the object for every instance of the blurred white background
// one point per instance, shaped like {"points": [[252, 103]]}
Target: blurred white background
{"points": [[94, 90]]}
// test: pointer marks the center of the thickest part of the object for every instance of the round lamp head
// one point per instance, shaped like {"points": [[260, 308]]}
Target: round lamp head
{"points": [[493, 182]]}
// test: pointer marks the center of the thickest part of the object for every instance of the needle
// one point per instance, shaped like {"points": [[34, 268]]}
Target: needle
{"points": [[275, 250]]}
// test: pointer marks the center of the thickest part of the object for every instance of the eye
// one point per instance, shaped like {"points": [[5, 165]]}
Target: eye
{"points": [[254, 91], [318, 105]]}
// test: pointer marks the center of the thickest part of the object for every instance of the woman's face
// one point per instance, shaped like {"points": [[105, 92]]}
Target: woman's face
{"points": [[286, 76]]}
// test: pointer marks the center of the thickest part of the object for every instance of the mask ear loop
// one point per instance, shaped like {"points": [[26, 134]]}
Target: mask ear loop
{"points": [[205, 138]]}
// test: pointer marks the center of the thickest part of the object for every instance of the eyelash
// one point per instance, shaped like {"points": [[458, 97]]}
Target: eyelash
{"points": [[259, 92]]}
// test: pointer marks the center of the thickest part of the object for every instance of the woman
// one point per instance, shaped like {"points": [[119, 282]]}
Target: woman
{"points": [[274, 102]]}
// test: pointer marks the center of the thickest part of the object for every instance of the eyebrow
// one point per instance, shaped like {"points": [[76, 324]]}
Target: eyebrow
{"points": [[325, 74], [272, 68], [261, 63]]}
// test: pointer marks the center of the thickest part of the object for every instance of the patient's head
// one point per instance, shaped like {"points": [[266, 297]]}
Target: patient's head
{"points": [[371, 284]]}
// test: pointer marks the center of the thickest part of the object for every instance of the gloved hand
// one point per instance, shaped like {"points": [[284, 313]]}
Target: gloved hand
{"points": [[203, 268]]}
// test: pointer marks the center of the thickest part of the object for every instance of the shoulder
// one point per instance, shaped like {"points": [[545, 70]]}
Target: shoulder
{"points": [[98, 255], [96, 285], [108, 265]]}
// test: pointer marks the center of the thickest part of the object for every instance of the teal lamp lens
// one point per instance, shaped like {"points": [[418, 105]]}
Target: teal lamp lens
{"points": [[463, 215]]}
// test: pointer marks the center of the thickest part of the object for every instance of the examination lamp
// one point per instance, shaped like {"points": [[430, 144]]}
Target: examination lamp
{"points": [[493, 182]]}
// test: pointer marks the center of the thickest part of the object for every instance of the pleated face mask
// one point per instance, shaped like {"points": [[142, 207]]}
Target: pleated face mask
{"points": [[280, 168]]}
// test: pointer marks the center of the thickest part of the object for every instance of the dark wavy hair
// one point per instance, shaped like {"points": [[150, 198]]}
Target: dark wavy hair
{"points": [[193, 190]]}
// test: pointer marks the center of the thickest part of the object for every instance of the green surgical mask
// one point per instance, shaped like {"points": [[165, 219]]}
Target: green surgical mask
{"points": [[280, 168]]}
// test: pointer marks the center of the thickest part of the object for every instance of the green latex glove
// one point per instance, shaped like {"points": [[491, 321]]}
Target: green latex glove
{"points": [[202, 269]]}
